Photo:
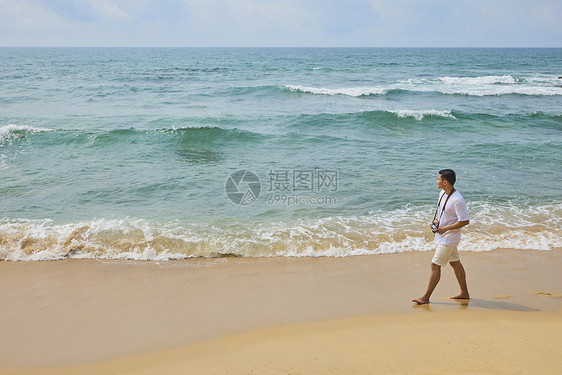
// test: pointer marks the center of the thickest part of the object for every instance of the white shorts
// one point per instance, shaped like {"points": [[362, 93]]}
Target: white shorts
{"points": [[445, 254]]}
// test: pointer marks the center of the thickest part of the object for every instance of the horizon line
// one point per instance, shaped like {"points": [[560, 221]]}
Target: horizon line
{"points": [[411, 47]]}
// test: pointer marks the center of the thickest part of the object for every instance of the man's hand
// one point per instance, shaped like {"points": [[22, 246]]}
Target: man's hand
{"points": [[457, 225], [442, 230]]}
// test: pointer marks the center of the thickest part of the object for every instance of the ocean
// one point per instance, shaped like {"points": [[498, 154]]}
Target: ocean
{"points": [[174, 153]]}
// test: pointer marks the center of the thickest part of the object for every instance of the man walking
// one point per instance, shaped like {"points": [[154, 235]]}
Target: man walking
{"points": [[451, 216]]}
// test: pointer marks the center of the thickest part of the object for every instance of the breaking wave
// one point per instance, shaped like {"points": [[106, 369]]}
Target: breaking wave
{"points": [[380, 232], [471, 86], [8, 131]]}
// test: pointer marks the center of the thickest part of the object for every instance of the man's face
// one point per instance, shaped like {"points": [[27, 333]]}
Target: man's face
{"points": [[440, 182]]}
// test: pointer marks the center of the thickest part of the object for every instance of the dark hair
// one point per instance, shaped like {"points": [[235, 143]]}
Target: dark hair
{"points": [[449, 175]]}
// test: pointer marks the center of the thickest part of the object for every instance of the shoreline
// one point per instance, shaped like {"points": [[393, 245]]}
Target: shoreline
{"points": [[79, 314]]}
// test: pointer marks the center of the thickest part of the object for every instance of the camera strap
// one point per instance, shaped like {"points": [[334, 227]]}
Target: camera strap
{"points": [[444, 205]]}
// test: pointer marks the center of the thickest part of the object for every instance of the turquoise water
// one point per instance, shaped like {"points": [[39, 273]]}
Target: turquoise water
{"points": [[127, 153]]}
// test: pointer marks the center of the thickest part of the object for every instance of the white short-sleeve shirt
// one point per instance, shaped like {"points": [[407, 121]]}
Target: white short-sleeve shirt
{"points": [[455, 210]]}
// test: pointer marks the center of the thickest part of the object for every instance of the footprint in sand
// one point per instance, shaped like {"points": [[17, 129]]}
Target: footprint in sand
{"points": [[549, 294], [502, 296]]}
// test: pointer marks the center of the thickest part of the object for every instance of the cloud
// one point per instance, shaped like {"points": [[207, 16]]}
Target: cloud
{"points": [[108, 10], [472, 22], [245, 22], [281, 23], [84, 10]]}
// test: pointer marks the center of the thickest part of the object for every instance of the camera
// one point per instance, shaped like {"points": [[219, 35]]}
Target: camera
{"points": [[434, 227]]}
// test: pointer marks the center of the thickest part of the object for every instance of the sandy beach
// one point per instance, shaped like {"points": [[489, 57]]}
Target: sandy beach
{"points": [[350, 315]]}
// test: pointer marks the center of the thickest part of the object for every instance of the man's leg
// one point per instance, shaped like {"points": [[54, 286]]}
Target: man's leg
{"points": [[461, 278], [433, 281]]}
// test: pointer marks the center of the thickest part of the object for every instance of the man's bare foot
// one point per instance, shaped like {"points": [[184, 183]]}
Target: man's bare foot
{"points": [[421, 301], [461, 296]]}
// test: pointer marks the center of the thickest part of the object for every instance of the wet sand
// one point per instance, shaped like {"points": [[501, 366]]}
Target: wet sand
{"points": [[282, 315]]}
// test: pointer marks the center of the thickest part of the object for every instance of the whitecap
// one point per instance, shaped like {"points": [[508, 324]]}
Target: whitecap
{"points": [[7, 130], [347, 91], [419, 114]]}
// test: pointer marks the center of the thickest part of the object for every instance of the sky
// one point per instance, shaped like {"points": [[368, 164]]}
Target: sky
{"points": [[275, 23]]}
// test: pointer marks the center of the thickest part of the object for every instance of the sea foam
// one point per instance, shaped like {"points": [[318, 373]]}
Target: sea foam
{"points": [[347, 91], [7, 130], [471, 86], [420, 114], [380, 232]]}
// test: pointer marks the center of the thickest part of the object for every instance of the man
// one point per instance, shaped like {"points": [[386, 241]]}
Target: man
{"points": [[451, 216]]}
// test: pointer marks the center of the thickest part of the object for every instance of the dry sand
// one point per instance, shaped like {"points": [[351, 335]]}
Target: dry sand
{"points": [[282, 316]]}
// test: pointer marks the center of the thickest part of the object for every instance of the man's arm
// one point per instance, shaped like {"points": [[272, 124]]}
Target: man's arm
{"points": [[456, 225]]}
